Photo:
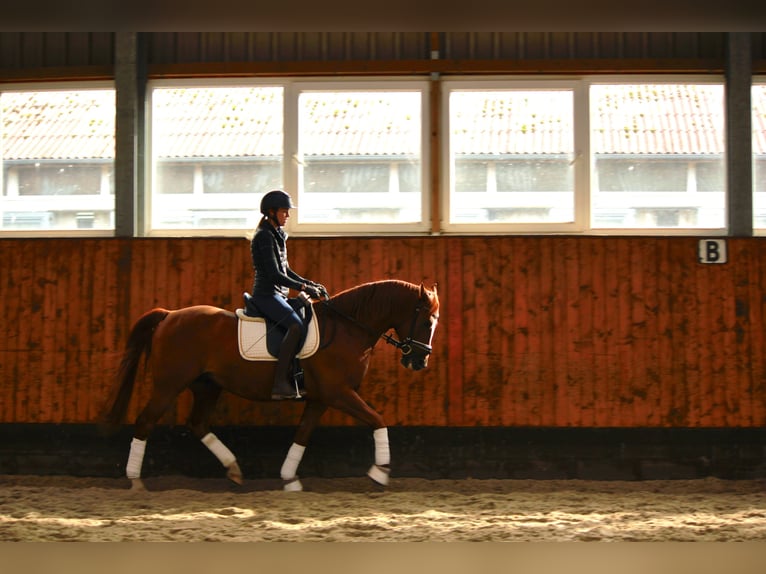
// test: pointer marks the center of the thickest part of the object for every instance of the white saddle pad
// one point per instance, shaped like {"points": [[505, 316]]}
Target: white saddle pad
{"points": [[252, 338]]}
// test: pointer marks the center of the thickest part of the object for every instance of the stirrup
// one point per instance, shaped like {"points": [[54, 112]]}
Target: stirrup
{"points": [[296, 394]]}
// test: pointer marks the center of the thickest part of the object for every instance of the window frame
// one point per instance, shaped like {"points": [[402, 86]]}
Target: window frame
{"points": [[251, 215], [100, 201], [292, 89], [654, 79], [510, 83], [395, 83], [583, 161]]}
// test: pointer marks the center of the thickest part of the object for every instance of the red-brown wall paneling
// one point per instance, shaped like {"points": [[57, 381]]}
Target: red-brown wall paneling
{"points": [[534, 331]]}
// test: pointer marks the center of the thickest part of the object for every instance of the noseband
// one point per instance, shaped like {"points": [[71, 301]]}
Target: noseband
{"points": [[407, 346]]}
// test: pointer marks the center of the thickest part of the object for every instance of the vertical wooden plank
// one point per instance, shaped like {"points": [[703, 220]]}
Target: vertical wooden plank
{"points": [[601, 335], [16, 317], [483, 330], [43, 397], [571, 329], [728, 300], [30, 299], [77, 317], [188, 274], [567, 397], [159, 250], [174, 263], [673, 350], [639, 358], [224, 295], [608, 394], [531, 366], [504, 413], [515, 325], [95, 287], [545, 325], [757, 278], [69, 386], [704, 363], [741, 362], [663, 370], [756, 388], [624, 405], [111, 341], [470, 326], [501, 342], [654, 295], [686, 315], [454, 322], [581, 350]]}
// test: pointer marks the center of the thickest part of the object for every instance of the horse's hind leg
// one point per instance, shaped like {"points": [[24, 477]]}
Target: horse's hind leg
{"points": [[206, 394], [309, 420], [144, 425]]}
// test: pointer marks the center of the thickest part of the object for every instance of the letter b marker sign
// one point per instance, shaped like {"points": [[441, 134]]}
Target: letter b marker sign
{"points": [[712, 251]]}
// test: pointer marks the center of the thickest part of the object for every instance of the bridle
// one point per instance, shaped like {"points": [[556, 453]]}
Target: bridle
{"points": [[406, 346], [409, 344]]}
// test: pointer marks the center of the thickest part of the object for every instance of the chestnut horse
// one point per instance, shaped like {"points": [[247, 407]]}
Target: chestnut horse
{"points": [[196, 348]]}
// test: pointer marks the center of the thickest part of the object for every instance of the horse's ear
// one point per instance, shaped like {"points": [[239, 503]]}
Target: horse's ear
{"points": [[424, 292]]}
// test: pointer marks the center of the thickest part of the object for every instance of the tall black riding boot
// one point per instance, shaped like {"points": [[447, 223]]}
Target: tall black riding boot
{"points": [[284, 385]]}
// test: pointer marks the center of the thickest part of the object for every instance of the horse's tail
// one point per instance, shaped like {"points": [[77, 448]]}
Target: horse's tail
{"points": [[139, 342]]}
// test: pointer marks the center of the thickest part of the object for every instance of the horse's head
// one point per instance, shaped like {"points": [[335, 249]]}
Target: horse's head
{"points": [[417, 332]]}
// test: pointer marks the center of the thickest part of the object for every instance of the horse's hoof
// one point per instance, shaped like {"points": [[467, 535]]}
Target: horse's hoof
{"points": [[292, 485], [234, 473], [137, 485], [380, 474]]}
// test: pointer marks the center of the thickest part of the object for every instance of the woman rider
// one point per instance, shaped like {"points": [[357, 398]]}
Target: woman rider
{"points": [[273, 280]]}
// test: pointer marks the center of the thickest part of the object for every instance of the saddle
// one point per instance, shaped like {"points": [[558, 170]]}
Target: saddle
{"points": [[259, 337]]}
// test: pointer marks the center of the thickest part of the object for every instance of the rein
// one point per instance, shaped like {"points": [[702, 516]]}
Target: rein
{"points": [[406, 346]]}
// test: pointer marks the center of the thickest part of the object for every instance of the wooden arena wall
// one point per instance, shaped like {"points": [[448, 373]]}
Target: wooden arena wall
{"points": [[535, 331]]}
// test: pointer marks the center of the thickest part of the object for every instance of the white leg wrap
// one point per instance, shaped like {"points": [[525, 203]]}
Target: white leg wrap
{"points": [[136, 458], [379, 474], [292, 460], [293, 486], [382, 453], [219, 449]]}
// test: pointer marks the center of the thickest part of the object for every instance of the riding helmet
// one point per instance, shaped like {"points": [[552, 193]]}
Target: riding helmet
{"points": [[276, 199]]}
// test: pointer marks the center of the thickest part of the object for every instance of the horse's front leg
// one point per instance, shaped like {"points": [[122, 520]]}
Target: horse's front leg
{"points": [[350, 402], [381, 470], [312, 412]]}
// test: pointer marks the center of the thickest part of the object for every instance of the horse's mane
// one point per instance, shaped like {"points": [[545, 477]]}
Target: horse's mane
{"points": [[373, 297]]}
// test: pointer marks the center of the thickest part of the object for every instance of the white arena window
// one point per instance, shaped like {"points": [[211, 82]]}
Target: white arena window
{"points": [[510, 157], [215, 150], [58, 159], [602, 155], [360, 157], [657, 156], [356, 154]]}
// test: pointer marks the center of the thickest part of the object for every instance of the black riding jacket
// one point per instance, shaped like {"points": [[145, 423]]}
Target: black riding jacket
{"points": [[268, 250]]}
